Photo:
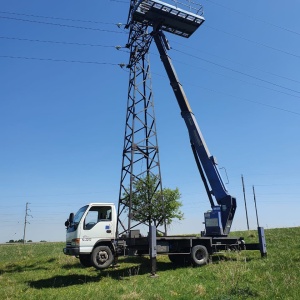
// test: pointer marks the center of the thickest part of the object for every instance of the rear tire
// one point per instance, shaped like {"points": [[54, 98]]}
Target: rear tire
{"points": [[199, 255], [102, 257]]}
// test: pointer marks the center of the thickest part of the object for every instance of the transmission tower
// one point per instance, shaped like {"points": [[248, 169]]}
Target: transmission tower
{"points": [[26, 221], [140, 151]]}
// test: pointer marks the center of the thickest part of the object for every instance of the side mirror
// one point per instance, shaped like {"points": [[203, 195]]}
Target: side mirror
{"points": [[71, 218], [67, 223]]}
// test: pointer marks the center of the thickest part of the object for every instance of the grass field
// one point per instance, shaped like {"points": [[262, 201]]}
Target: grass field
{"points": [[42, 271]]}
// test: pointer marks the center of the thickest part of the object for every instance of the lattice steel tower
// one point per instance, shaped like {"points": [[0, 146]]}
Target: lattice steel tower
{"points": [[140, 151]]}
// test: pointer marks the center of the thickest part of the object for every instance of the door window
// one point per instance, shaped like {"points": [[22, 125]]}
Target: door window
{"points": [[97, 214]]}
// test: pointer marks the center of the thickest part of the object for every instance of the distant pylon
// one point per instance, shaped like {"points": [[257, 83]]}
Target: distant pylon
{"points": [[26, 221], [140, 151]]}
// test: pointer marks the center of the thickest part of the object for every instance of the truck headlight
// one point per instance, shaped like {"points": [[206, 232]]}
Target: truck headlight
{"points": [[75, 242]]}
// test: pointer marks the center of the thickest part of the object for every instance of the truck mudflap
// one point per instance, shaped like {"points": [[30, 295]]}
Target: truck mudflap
{"points": [[74, 251]]}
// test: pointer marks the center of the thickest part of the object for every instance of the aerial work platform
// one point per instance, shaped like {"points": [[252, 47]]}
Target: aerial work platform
{"points": [[170, 18]]}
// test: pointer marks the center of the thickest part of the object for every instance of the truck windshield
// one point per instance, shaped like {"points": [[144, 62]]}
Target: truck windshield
{"points": [[79, 214]]}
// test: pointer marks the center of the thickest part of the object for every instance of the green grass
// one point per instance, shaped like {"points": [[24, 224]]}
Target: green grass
{"points": [[42, 271]]}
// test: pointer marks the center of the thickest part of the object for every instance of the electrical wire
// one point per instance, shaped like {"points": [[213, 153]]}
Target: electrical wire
{"points": [[254, 42], [236, 71], [239, 98], [243, 65], [97, 22], [59, 42], [253, 101], [57, 18], [60, 60], [244, 81], [254, 18], [121, 65], [62, 25], [103, 63], [119, 47]]}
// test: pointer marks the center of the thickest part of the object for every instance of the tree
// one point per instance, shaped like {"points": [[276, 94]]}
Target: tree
{"points": [[149, 204]]}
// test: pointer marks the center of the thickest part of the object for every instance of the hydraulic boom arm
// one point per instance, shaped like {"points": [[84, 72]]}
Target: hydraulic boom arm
{"points": [[218, 221]]}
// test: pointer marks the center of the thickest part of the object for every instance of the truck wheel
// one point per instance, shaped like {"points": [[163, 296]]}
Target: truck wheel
{"points": [[85, 260], [199, 255], [102, 257]]}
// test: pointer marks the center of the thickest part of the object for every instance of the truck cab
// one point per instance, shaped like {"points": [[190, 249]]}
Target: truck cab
{"points": [[92, 227]]}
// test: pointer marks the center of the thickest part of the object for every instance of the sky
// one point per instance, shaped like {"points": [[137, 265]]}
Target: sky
{"points": [[63, 106]]}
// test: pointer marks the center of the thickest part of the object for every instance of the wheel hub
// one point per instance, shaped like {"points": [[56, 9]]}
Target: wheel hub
{"points": [[102, 256]]}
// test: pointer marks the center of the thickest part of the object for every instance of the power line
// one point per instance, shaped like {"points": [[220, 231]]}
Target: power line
{"points": [[61, 25], [105, 63], [254, 42], [248, 66], [120, 24], [250, 83], [119, 47], [236, 71], [61, 60], [256, 102], [121, 65], [254, 18], [59, 42], [57, 18], [239, 98]]}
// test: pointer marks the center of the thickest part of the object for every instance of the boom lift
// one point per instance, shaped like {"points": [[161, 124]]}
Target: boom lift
{"points": [[217, 221]]}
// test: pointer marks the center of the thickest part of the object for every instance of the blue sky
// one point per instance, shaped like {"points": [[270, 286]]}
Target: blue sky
{"points": [[63, 104]]}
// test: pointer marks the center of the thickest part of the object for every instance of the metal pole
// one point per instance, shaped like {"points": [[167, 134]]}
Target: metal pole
{"points": [[255, 206], [153, 249], [261, 232], [245, 202], [25, 222]]}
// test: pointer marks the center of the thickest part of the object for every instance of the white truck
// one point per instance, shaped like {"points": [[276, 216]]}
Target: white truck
{"points": [[91, 233], [91, 236]]}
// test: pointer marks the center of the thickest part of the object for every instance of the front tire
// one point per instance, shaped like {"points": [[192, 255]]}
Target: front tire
{"points": [[199, 255], [102, 257]]}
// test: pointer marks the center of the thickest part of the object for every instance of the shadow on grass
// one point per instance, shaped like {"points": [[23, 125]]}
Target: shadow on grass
{"points": [[72, 266], [138, 266], [141, 267], [63, 281], [217, 258], [16, 268]]}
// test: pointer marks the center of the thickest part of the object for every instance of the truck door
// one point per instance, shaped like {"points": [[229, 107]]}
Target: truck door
{"points": [[98, 224]]}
